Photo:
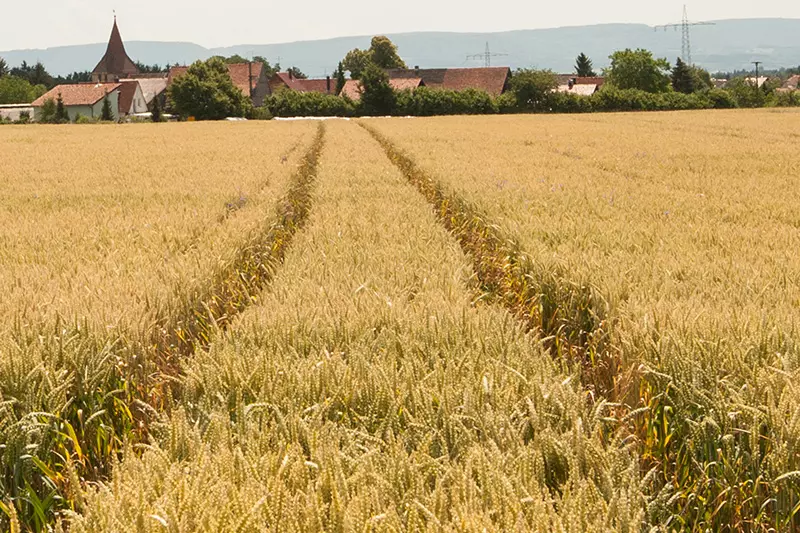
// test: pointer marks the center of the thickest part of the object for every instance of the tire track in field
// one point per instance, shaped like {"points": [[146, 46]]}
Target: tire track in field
{"points": [[140, 378], [215, 303], [571, 317]]}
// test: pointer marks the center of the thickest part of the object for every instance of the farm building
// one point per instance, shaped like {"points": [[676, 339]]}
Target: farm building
{"points": [[15, 111], [85, 99], [131, 98], [285, 80], [352, 88], [152, 88], [493, 80], [250, 78], [115, 64], [792, 84], [583, 86]]}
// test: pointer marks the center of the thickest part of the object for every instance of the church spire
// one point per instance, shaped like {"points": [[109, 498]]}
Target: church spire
{"points": [[115, 63]]}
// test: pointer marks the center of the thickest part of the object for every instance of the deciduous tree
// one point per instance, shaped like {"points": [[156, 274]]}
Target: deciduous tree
{"points": [[377, 97], [206, 92], [532, 89], [638, 69]]}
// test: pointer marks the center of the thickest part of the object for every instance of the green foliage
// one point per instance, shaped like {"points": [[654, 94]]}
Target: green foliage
{"points": [[638, 69], [720, 99], [16, 90], [82, 119], [745, 93], [107, 114], [206, 92], [424, 102], [356, 61], [47, 113], [340, 78], [297, 73], [3, 67], [533, 89], [150, 69], [156, 111], [683, 79], [309, 104], [584, 67], [378, 97], [382, 53], [62, 116], [36, 75], [270, 70]]}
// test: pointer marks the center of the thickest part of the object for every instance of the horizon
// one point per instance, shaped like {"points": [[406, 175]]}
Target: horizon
{"points": [[371, 34], [81, 22]]}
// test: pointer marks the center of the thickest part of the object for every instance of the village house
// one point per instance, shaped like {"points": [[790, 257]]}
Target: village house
{"points": [[493, 80], [16, 111], [286, 80], [352, 88], [152, 88], [131, 98], [580, 85], [85, 99], [250, 78], [792, 84]]}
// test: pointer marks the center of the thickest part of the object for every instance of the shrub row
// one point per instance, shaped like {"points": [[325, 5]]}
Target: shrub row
{"points": [[430, 102]]}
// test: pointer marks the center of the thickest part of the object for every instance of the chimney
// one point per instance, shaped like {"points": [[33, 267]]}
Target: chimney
{"points": [[328, 80], [416, 70], [290, 74], [250, 77]]}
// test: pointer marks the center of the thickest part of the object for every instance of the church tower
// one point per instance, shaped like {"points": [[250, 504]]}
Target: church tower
{"points": [[115, 64]]}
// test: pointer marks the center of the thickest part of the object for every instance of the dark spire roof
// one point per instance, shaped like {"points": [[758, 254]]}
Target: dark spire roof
{"points": [[116, 60]]}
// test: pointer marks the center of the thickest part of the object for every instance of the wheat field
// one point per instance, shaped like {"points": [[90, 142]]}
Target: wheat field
{"points": [[550, 323]]}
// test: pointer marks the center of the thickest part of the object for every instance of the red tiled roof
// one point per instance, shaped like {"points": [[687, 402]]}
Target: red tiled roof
{"points": [[289, 81], [792, 83], [352, 88], [242, 76], [78, 94], [116, 60], [239, 72], [316, 86]]}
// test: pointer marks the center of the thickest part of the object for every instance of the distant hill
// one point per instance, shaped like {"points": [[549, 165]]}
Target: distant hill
{"points": [[730, 45]]}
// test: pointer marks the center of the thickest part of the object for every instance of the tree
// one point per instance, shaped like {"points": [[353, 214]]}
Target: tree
{"points": [[40, 76], [638, 69], [377, 95], [533, 89], [3, 67], [15, 90], [156, 112], [297, 73], [62, 115], [340, 79], [683, 79], [271, 70], [47, 113], [206, 92], [383, 52], [356, 61], [149, 69], [107, 114], [584, 67]]}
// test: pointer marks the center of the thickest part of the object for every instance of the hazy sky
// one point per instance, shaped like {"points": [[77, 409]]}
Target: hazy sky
{"points": [[64, 22]]}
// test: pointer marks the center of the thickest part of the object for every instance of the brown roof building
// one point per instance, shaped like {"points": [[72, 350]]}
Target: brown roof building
{"points": [[285, 80], [493, 80], [115, 64], [352, 88], [84, 99]]}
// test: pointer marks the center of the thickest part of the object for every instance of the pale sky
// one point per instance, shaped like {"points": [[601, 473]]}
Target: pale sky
{"points": [[211, 24]]}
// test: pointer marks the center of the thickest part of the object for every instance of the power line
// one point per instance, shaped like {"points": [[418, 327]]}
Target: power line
{"points": [[486, 56], [686, 41]]}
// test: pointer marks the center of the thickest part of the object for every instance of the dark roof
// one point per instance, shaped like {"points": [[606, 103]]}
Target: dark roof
{"points": [[116, 60], [77, 94], [127, 92], [493, 80], [565, 79]]}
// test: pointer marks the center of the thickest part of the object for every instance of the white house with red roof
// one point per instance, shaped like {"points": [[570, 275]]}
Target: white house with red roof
{"points": [[85, 99]]}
